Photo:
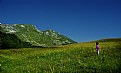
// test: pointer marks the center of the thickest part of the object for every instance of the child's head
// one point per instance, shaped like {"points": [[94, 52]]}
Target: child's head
{"points": [[97, 43]]}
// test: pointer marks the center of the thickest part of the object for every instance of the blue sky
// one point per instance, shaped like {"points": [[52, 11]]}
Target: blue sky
{"points": [[80, 20]]}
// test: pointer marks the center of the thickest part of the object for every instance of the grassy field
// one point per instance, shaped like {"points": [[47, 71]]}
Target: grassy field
{"points": [[74, 58]]}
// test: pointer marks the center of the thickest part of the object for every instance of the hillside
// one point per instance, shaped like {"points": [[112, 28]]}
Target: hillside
{"points": [[109, 40], [11, 41], [30, 34], [72, 58]]}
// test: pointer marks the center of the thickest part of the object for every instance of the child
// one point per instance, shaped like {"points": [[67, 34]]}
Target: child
{"points": [[97, 48]]}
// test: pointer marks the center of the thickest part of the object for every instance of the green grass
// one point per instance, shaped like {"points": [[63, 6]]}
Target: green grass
{"points": [[74, 58]]}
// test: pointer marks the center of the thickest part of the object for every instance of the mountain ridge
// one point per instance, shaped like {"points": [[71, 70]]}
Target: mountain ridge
{"points": [[29, 33]]}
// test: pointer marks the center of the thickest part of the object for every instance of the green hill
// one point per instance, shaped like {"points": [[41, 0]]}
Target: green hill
{"points": [[109, 40], [30, 34], [71, 58], [11, 41]]}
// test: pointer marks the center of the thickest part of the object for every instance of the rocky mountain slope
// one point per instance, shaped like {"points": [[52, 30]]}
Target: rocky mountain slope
{"points": [[30, 34]]}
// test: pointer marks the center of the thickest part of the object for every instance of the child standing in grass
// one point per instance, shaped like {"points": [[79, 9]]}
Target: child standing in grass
{"points": [[97, 48]]}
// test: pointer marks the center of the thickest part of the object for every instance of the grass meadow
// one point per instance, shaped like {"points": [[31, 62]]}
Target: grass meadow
{"points": [[73, 58]]}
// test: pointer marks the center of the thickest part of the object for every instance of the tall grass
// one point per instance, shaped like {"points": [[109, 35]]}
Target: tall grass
{"points": [[74, 58]]}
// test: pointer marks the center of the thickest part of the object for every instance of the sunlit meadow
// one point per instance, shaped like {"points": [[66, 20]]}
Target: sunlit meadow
{"points": [[73, 58]]}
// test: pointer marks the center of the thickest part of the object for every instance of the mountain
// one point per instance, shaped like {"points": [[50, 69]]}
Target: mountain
{"points": [[11, 41], [30, 34], [58, 38]]}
